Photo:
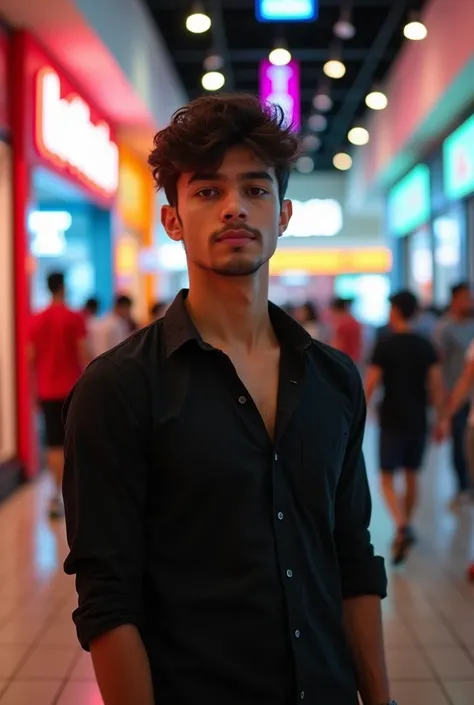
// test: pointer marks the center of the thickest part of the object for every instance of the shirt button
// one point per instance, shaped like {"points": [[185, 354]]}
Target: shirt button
{"points": [[280, 516], [302, 695], [276, 456], [289, 573], [242, 400], [297, 633]]}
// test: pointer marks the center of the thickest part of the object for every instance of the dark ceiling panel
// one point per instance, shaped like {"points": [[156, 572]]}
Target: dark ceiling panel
{"points": [[244, 42]]}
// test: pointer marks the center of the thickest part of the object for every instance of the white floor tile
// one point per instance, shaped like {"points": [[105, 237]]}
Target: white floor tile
{"points": [[34, 692], [460, 692]]}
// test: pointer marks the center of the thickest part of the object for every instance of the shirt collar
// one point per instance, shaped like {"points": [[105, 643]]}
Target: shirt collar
{"points": [[179, 328]]}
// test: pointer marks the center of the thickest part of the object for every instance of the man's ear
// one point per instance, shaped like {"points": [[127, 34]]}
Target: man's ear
{"points": [[285, 216], [171, 223]]}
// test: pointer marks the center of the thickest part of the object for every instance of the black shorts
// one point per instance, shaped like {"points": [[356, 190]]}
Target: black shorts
{"points": [[401, 450], [53, 422]]}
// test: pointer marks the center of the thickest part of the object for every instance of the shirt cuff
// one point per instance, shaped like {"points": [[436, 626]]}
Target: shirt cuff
{"points": [[90, 629], [366, 578]]}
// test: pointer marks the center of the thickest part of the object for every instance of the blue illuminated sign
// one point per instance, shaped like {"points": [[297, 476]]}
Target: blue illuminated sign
{"points": [[286, 10]]}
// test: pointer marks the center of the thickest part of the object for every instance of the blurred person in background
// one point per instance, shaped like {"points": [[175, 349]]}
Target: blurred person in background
{"points": [[115, 327], [347, 331], [158, 310], [59, 353], [455, 333], [91, 309], [406, 365], [216, 562], [308, 316]]}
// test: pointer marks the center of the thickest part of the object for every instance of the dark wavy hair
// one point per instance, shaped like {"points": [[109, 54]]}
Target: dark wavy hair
{"points": [[201, 132]]}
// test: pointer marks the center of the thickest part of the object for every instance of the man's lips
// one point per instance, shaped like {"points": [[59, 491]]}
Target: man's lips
{"points": [[236, 236]]}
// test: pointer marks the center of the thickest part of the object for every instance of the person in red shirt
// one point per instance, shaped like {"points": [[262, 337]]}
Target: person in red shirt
{"points": [[347, 331], [58, 349]]}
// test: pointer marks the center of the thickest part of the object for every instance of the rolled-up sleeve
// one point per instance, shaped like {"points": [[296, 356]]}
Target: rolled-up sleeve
{"points": [[362, 572], [104, 487]]}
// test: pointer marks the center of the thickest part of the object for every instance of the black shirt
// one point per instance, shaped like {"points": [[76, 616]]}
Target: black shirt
{"points": [[405, 360], [230, 553]]}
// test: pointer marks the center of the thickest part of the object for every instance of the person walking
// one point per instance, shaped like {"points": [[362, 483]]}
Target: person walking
{"points": [[216, 496]]}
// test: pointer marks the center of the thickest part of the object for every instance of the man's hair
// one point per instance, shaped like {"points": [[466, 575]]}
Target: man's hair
{"points": [[340, 304], [56, 282], [406, 304], [201, 132], [459, 288], [122, 300], [92, 305]]}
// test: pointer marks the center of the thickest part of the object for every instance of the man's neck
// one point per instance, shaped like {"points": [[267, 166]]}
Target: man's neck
{"points": [[57, 300], [231, 311]]}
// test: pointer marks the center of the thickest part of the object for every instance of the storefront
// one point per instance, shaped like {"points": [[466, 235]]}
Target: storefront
{"points": [[135, 232], [66, 175], [9, 465]]}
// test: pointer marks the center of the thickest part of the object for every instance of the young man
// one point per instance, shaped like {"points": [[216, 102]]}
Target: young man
{"points": [[59, 352], [217, 501], [454, 336], [406, 364]]}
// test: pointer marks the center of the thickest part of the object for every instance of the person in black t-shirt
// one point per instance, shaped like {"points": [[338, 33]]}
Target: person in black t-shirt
{"points": [[407, 366]]}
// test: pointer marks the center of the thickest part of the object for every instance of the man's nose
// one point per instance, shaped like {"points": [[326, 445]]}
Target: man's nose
{"points": [[234, 209]]}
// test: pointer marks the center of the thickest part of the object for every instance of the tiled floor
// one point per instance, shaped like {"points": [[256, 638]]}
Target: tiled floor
{"points": [[429, 615]]}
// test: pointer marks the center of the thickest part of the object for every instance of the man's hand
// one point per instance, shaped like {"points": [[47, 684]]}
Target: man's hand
{"points": [[442, 430]]}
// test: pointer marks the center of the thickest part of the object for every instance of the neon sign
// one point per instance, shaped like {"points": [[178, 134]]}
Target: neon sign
{"points": [[281, 85], [286, 10], [318, 217], [66, 136], [49, 228]]}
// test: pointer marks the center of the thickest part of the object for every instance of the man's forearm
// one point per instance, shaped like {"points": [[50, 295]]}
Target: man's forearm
{"points": [[363, 625], [122, 668]]}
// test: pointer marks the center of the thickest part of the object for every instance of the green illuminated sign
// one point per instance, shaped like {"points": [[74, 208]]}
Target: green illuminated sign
{"points": [[458, 161], [409, 202]]}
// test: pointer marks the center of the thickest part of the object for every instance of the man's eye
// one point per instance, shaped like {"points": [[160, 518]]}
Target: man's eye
{"points": [[207, 192], [257, 191]]}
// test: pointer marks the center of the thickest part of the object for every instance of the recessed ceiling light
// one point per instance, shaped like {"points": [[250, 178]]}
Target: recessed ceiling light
{"points": [[213, 80], [342, 161], [198, 22], [280, 56], [415, 30], [344, 29], [213, 62], [376, 100], [305, 165], [358, 136], [323, 102], [334, 68], [317, 123]]}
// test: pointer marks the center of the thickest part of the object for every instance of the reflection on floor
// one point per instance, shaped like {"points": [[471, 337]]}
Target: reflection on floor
{"points": [[429, 614]]}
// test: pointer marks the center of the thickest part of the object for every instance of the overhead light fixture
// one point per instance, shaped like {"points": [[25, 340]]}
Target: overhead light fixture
{"points": [[322, 101], [376, 100], [280, 55], [344, 29], [317, 123], [358, 136], [213, 80], [305, 165], [213, 62], [198, 21], [311, 143], [415, 29], [342, 161], [334, 68]]}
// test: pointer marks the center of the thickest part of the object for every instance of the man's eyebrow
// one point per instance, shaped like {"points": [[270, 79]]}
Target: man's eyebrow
{"points": [[216, 176]]}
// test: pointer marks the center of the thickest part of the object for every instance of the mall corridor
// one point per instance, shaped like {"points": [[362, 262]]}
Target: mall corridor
{"points": [[429, 614]]}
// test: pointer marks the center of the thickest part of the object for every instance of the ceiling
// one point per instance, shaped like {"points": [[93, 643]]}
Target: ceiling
{"points": [[244, 42]]}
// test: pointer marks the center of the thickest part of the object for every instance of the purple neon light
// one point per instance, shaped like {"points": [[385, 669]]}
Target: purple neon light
{"points": [[281, 85]]}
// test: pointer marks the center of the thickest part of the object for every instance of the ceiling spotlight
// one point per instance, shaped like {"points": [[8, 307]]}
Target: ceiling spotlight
{"points": [[334, 68], [198, 21], [213, 62], [358, 136], [376, 100], [305, 165], [311, 143], [317, 123], [280, 56], [213, 80], [344, 29], [342, 161], [322, 101], [415, 30]]}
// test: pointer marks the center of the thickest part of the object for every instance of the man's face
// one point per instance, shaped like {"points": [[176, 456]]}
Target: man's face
{"points": [[229, 221], [462, 302]]}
